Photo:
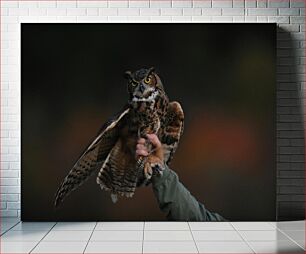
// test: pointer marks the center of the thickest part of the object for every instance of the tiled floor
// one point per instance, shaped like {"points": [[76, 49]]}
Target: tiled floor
{"points": [[152, 237]]}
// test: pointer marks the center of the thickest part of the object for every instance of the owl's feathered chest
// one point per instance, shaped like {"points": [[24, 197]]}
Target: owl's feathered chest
{"points": [[148, 116]]}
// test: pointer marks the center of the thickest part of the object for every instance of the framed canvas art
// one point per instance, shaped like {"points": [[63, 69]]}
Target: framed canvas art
{"points": [[77, 82]]}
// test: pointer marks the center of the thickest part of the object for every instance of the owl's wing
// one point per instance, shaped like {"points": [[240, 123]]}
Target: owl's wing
{"points": [[93, 156], [174, 126]]}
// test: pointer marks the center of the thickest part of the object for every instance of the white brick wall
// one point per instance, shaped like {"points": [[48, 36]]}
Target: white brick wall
{"points": [[289, 14]]}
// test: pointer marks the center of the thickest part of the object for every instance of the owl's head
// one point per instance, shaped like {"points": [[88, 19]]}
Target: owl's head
{"points": [[144, 85]]}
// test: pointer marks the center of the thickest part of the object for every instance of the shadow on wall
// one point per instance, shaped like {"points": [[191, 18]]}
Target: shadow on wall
{"points": [[290, 130]]}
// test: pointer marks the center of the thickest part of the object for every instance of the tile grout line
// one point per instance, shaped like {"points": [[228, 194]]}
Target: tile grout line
{"points": [[90, 236], [247, 243], [290, 238], [232, 226], [10, 228], [193, 237], [143, 231], [274, 226], [42, 238]]}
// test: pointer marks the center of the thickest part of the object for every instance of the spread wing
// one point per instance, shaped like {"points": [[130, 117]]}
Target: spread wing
{"points": [[173, 130], [93, 156]]}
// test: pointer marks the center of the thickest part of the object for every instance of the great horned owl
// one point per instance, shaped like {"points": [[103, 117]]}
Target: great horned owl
{"points": [[112, 151]]}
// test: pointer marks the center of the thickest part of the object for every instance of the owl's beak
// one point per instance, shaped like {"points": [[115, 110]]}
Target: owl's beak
{"points": [[141, 88]]}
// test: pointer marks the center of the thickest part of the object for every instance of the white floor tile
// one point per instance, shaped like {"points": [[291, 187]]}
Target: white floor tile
{"points": [[169, 247], [275, 247], [211, 226], [164, 235], [23, 236], [116, 236], [29, 226], [7, 225], [216, 236], [223, 247], [291, 225], [135, 225], [74, 226], [69, 236], [17, 247], [301, 243], [273, 224], [296, 235], [60, 247], [114, 247], [166, 225], [264, 235], [159, 237], [252, 225]]}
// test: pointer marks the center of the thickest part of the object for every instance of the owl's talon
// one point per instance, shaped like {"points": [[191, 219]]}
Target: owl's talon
{"points": [[157, 168], [148, 171]]}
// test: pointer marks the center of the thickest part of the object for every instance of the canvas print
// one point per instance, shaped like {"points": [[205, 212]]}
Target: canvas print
{"points": [[148, 122]]}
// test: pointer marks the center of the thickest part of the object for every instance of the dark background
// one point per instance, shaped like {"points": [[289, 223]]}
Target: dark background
{"points": [[222, 74]]}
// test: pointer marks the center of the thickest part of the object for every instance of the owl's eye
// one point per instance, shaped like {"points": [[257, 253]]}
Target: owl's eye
{"points": [[133, 83], [147, 80]]}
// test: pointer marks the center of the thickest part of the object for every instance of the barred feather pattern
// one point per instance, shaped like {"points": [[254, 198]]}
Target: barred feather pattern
{"points": [[80, 173], [118, 175], [93, 156], [173, 130]]}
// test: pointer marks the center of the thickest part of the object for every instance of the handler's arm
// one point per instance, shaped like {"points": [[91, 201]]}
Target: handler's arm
{"points": [[177, 202], [172, 196]]}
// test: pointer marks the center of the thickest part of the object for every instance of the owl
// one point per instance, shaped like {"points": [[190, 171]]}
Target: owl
{"points": [[111, 154]]}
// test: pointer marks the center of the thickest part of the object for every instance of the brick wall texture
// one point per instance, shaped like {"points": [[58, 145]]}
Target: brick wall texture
{"points": [[288, 14]]}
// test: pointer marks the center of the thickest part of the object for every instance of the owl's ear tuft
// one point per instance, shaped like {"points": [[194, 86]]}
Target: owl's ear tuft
{"points": [[151, 70], [156, 71], [127, 74]]}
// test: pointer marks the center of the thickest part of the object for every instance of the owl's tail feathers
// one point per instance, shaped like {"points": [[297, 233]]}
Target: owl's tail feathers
{"points": [[114, 198], [113, 195], [118, 174]]}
